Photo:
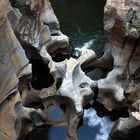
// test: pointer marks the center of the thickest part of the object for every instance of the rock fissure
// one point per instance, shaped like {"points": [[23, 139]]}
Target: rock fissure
{"points": [[7, 135]]}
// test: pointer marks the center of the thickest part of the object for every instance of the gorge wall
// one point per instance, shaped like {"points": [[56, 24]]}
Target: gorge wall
{"points": [[122, 20], [38, 71]]}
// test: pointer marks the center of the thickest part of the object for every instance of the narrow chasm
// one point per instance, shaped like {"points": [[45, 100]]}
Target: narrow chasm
{"points": [[69, 69], [82, 21]]}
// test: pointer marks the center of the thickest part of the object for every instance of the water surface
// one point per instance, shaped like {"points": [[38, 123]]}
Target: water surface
{"points": [[82, 21]]}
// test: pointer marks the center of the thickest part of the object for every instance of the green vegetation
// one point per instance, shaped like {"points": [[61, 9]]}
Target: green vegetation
{"points": [[137, 24], [17, 2]]}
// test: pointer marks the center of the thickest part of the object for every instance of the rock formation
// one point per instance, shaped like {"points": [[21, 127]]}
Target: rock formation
{"points": [[122, 27], [32, 82], [120, 87]]}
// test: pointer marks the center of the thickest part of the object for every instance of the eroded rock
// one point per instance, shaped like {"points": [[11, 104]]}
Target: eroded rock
{"points": [[69, 88]]}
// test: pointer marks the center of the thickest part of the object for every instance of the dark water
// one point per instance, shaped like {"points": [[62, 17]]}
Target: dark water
{"points": [[82, 21], [93, 128]]}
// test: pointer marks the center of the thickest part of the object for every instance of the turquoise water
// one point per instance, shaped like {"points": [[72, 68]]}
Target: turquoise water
{"points": [[82, 21]]}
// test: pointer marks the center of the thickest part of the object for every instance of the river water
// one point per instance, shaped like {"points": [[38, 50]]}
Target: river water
{"points": [[82, 21]]}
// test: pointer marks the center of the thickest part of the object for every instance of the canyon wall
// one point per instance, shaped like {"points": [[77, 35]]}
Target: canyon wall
{"points": [[121, 23], [34, 79]]}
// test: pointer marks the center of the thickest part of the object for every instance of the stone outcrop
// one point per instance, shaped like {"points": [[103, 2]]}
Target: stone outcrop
{"points": [[15, 71], [36, 28], [121, 19], [120, 86], [32, 82], [37, 24], [13, 65]]}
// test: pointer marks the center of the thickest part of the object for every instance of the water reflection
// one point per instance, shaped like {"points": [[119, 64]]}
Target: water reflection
{"points": [[55, 112], [57, 133], [94, 128]]}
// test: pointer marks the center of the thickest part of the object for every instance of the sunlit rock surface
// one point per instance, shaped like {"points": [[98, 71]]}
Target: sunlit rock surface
{"points": [[34, 86], [37, 24], [121, 19]]}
